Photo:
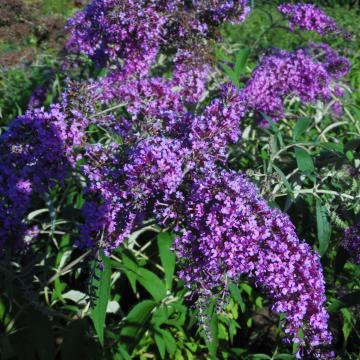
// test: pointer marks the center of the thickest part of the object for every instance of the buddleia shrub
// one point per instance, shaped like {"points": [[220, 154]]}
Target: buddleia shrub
{"points": [[148, 142]]}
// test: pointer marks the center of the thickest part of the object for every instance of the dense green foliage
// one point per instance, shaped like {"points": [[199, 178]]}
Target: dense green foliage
{"points": [[56, 303]]}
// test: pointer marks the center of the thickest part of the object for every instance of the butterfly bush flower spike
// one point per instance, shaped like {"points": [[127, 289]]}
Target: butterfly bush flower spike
{"points": [[308, 17]]}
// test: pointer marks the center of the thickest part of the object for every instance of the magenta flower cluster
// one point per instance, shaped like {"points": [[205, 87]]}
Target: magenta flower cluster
{"points": [[163, 151]]}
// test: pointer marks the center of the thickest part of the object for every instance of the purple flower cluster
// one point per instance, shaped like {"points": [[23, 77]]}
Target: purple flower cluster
{"points": [[308, 17], [311, 74], [218, 126], [189, 77], [128, 31], [336, 65], [155, 170], [38, 97], [352, 242], [230, 231], [107, 218], [35, 153], [219, 11], [130, 34], [124, 187], [152, 97]]}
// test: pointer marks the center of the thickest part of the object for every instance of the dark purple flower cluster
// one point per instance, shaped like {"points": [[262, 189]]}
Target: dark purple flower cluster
{"points": [[352, 242], [35, 153], [38, 97], [308, 17], [311, 74]]}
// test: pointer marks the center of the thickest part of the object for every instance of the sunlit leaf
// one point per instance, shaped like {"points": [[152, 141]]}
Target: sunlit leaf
{"points": [[167, 256], [323, 228]]}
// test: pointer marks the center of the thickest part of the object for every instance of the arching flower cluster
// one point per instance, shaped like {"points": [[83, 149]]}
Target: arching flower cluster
{"points": [[231, 231], [308, 17], [163, 150], [225, 229], [351, 242]]}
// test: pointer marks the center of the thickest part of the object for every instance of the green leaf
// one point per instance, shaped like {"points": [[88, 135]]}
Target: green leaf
{"points": [[170, 342], [350, 156], [230, 73], [240, 61], [247, 288], [160, 345], [300, 127], [59, 288], [347, 323], [137, 318], [101, 281], [160, 316], [348, 300], [333, 147], [131, 268], [285, 180], [64, 252], [222, 55], [180, 311], [236, 294], [167, 256], [35, 213], [260, 357], [152, 283], [304, 160], [123, 354], [284, 357], [323, 228], [274, 129], [76, 296], [214, 332]]}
